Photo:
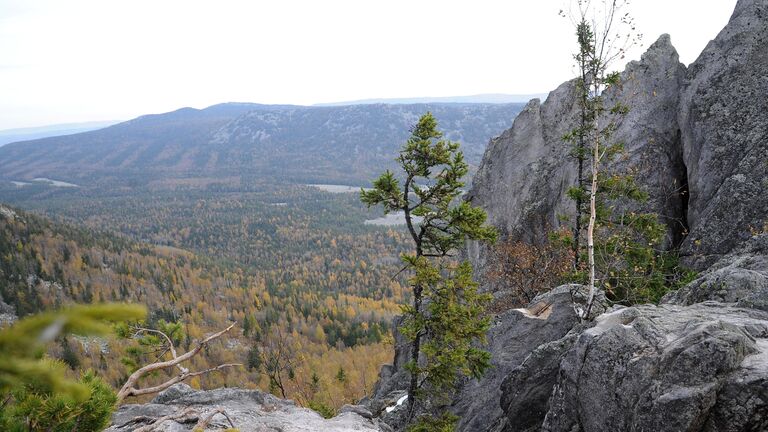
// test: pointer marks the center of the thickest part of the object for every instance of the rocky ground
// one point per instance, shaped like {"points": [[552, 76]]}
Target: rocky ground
{"points": [[246, 410]]}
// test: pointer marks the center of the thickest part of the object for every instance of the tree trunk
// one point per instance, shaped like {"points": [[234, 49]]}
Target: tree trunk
{"points": [[592, 217], [580, 174], [415, 349]]}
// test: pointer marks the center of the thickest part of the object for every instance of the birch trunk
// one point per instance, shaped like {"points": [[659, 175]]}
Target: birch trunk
{"points": [[592, 216]]}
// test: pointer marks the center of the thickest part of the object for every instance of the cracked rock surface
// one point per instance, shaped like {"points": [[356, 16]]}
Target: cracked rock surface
{"points": [[250, 411], [666, 368]]}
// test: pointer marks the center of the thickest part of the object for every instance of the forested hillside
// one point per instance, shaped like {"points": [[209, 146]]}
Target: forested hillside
{"points": [[320, 294]]}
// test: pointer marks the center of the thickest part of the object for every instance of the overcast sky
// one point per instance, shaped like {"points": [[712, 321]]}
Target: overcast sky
{"points": [[84, 60]]}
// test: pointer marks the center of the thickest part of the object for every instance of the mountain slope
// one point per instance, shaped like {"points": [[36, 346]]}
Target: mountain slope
{"points": [[161, 140], [26, 134], [348, 144]]}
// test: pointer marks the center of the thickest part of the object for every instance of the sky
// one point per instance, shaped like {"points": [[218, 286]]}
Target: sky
{"points": [[88, 60]]}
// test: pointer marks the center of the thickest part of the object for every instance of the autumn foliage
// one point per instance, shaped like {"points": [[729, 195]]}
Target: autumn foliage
{"points": [[519, 271], [333, 308]]}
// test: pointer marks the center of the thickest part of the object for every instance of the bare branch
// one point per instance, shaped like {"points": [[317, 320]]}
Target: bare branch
{"points": [[179, 378], [205, 421], [129, 388], [400, 271], [167, 338], [185, 416]]}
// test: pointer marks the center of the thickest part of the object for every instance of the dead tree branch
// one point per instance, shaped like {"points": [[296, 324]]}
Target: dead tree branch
{"points": [[130, 389], [205, 421], [184, 416]]}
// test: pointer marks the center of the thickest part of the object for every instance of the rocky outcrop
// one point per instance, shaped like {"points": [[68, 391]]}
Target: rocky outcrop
{"points": [[740, 277], [725, 136], [525, 392], [393, 378], [248, 410], [7, 313], [697, 141], [650, 135], [513, 337], [665, 368], [526, 172]]}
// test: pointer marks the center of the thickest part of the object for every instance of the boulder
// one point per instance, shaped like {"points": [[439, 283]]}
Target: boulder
{"points": [[513, 337], [665, 368], [526, 390], [249, 411]]}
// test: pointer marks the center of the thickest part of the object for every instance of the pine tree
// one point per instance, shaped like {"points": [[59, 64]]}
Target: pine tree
{"points": [[446, 310], [341, 375], [68, 354]]}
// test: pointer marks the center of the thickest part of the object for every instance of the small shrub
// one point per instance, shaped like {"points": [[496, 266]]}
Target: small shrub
{"points": [[427, 423], [322, 409], [524, 271]]}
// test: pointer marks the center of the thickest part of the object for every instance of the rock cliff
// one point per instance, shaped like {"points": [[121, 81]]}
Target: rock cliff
{"points": [[697, 140], [724, 124], [526, 172]]}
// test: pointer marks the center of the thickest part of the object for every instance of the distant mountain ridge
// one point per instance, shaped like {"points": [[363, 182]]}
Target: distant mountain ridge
{"points": [[490, 98], [31, 133], [242, 142]]}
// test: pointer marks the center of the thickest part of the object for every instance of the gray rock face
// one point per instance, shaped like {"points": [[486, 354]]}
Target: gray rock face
{"points": [[651, 135], [526, 172], [250, 411], [665, 368], [515, 335], [697, 141], [526, 390], [724, 125], [393, 378], [740, 277]]}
